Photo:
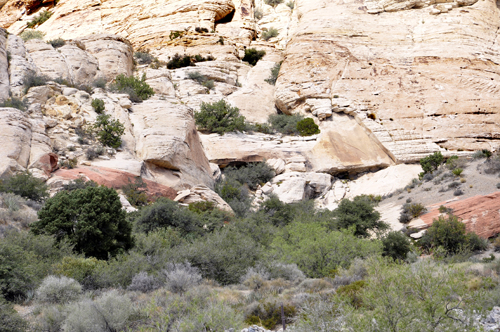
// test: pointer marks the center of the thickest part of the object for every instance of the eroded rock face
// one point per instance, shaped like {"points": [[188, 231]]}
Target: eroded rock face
{"points": [[15, 139], [202, 194], [166, 137], [4, 66], [21, 64], [432, 80]]}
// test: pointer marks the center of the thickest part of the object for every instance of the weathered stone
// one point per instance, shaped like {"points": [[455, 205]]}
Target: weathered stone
{"points": [[4, 67], [294, 187], [202, 194], [15, 139], [166, 136]]}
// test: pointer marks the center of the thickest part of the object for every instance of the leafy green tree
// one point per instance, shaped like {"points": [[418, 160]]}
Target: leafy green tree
{"points": [[317, 251], [276, 212], [252, 56], [396, 245], [108, 131], [219, 117], [360, 214], [91, 218], [25, 185]]}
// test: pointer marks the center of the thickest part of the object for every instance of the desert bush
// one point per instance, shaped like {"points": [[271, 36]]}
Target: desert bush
{"points": [[285, 124], [56, 43], [252, 56], [165, 213], [31, 79], [431, 163], [94, 152], [258, 14], [276, 212], [271, 33], [31, 34], [252, 174], [58, 290], [274, 74], [78, 268], [20, 104], [203, 80], [219, 117], [289, 272], [410, 211], [180, 61], [40, 19], [457, 171], [98, 105], [79, 183], [449, 233], [496, 244], [492, 165], [359, 214], [12, 201], [143, 58], [99, 83], [481, 154], [110, 312], [223, 255], [145, 283], [307, 127], [235, 194], [458, 192], [209, 84], [291, 4], [273, 3], [317, 251], [269, 314], [24, 184], [10, 321], [137, 89], [396, 245], [136, 192], [255, 277], [320, 314], [180, 277], [92, 219], [108, 131]]}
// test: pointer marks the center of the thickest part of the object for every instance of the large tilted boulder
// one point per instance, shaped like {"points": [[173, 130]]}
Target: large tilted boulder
{"points": [[166, 138], [15, 140]]}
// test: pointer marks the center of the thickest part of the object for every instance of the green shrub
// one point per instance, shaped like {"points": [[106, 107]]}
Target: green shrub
{"points": [[285, 124], [94, 152], [176, 34], [180, 61], [276, 212], [209, 84], [10, 321], [56, 43], [431, 163], [31, 80], [273, 3], [58, 290], [274, 74], [108, 131], [396, 245], [78, 268], [252, 56], [223, 255], [411, 211], [40, 19], [136, 192], [31, 34], [203, 80], [352, 292], [165, 213], [482, 154], [457, 171], [269, 314], [98, 105], [219, 117], [317, 251], [179, 278], [15, 103], [79, 183], [307, 127], [252, 174], [449, 233], [201, 206], [271, 33], [144, 58], [110, 312], [137, 89], [99, 83], [143, 282], [235, 194], [291, 4], [25, 185], [360, 214], [92, 219]]}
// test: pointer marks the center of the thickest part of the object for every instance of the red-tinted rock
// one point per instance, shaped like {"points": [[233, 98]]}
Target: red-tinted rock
{"points": [[114, 179], [47, 163], [481, 214]]}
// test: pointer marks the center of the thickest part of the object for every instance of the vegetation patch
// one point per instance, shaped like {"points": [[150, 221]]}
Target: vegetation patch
{"points": [[271, 33], [31, 79], [56, 43], [274, 74], [252, 56], [307, 127], [180, 61], [20, 104], [137, 89], [98, 105], [39, 20], [219, 117], [108, 131]]}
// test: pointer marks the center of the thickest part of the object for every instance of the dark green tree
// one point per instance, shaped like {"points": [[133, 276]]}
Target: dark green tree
{"points": [[307, 127], [219, 117], [359, 213], [432, 162], [395, 245], [252, 56], [108, 131], [91, 218]]}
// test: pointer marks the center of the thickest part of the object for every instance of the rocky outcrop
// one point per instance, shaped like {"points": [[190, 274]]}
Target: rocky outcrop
{"points": [[108, 177], [406, 80], [479, 214], [202, 194], [438, 7], [166, 137], [4, 66], [21, 64], [15, 139]]}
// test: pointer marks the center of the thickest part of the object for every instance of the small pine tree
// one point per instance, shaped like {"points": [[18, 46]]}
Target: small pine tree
{"points": [[219, 117]]}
